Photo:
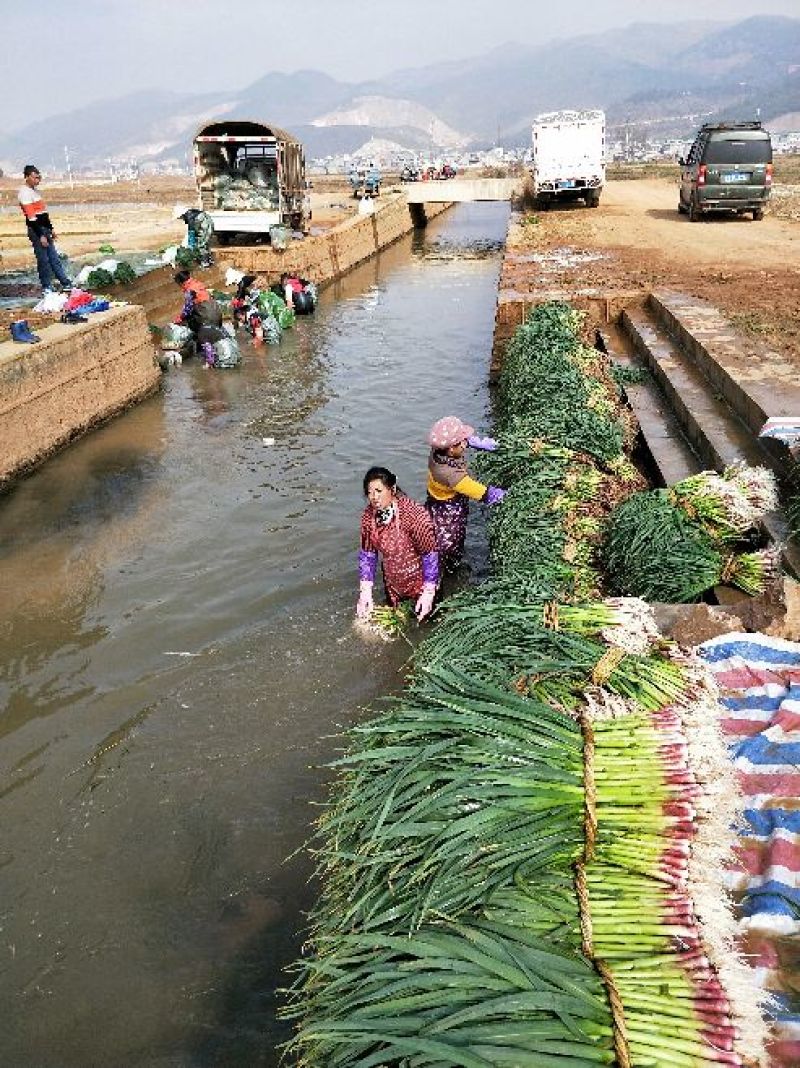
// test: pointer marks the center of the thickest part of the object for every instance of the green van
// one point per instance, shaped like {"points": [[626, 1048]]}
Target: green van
{"points": [[729, 168]]}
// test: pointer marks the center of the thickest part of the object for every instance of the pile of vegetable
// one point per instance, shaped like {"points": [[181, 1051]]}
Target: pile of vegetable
{"points": [[562, 432], [100, 279], [521, 863], [676, 544]]}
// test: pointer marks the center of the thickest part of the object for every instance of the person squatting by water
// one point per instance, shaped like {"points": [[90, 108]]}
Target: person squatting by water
{"points": [[451, 487], [200, 231], [202, 314], [298, 293], [40, 231], [400, 531]]}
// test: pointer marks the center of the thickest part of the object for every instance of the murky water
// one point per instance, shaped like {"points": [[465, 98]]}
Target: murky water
{"points": [[177, 658]]}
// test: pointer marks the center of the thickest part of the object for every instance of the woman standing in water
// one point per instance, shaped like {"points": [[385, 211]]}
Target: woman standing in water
{"points": [[399, 530], [451, 487]]}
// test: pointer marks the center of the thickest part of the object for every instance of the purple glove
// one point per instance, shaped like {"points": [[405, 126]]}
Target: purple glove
{"points": [[484, 444], [494, 495], [425, 601], [367, 565], [430, 568]]}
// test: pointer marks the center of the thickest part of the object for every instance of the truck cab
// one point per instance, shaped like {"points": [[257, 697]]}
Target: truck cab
{"points": [[251, 179]]}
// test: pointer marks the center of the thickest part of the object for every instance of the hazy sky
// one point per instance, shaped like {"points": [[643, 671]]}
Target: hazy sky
{"points": [[92, 49]]}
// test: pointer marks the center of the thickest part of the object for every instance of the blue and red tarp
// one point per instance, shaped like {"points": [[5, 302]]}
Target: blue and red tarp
{"points": [[759, 680]]}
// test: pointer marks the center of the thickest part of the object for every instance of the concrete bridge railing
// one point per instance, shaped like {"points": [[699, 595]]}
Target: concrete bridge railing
{"points": [[461, 190]]}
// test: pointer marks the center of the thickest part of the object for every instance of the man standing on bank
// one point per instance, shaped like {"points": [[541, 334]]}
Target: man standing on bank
{"points": [[40, 231]]}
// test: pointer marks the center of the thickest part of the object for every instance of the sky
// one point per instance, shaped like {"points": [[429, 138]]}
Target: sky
{"points": [[99, 49]]}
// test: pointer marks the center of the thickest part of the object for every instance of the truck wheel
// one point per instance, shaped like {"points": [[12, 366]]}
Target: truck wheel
{"points": [[694, 211], [758, 214], [681, 207], [593, 198]]}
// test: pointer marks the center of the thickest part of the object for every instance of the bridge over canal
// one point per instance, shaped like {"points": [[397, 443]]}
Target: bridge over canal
{"points": [[462, 190]]}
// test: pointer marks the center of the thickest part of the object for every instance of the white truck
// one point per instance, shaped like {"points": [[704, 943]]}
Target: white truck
{"points": [[568, 158], [251, 179]]}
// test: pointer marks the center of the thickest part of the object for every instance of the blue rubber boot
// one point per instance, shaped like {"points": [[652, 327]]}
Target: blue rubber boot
{"points": [[21, 333]]}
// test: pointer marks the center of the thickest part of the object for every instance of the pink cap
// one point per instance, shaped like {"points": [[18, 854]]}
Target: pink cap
{"points": [[449, 431]]}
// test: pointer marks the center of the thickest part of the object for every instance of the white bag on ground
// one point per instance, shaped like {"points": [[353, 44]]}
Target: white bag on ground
{"points": [[51, 303]]}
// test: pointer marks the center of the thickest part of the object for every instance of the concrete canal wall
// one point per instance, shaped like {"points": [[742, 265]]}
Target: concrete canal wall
{"points": [[74, 379], [326, 257], [322, 258], [80, 376]]}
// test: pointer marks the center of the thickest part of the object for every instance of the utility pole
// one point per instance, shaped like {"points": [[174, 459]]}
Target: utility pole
{"points": [[69, 168]]}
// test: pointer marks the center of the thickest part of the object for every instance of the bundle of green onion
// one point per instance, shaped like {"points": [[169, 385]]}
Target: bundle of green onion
{"points": [[505, 860], [655, 551]]}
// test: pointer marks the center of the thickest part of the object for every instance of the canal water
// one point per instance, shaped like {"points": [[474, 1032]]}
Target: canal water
{"points": [[177, 655]]}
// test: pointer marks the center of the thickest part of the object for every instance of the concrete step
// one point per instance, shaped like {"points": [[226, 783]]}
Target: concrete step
{"points": [[670, 455], [756, 382], [716, 434]]}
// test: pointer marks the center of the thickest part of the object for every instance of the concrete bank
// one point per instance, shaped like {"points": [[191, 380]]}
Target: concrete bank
{"points": [[76, 378], [326, 257], [322, 258], [80, 376]]}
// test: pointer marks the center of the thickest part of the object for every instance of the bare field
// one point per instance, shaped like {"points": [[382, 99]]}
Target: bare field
{"points": [[131, 216], [637, 240]]}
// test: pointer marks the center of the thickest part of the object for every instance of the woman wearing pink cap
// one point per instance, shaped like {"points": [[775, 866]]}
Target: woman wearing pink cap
{"points": [[450, 486]]}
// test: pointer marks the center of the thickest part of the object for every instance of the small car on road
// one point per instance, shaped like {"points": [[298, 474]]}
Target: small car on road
{"points": [[728, 169]]}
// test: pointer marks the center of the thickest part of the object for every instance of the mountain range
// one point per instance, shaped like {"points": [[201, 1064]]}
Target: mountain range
{"points": [[667, 78]]}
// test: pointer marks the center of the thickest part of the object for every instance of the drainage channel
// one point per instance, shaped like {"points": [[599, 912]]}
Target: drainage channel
{"points": [[176, 597]]}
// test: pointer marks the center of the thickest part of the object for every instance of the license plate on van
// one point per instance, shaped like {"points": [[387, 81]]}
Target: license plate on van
{"points": [[736, 176], [569, 184]]}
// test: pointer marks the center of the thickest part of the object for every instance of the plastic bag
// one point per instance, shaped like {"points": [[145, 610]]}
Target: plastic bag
{"points": [[278, 237], [285, 318], [227, 353], [108, 266], [271, 329], [270, 303], [175, 336], [51, 303]]}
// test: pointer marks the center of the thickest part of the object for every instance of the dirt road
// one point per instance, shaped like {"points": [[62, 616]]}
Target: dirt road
{"points": [[750, 270]]}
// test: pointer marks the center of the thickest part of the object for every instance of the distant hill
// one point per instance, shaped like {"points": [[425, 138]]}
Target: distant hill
{"points": [[666, 77]]}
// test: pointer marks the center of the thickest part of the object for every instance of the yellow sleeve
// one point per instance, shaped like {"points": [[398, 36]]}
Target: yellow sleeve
{"points": [[470, 488]]}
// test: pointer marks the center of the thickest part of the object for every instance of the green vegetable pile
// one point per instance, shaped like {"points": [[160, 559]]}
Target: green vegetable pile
{"points": [[99, 279], [124, 273], [562, 432], [674, 545], [504, 862], [186, 257]]}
